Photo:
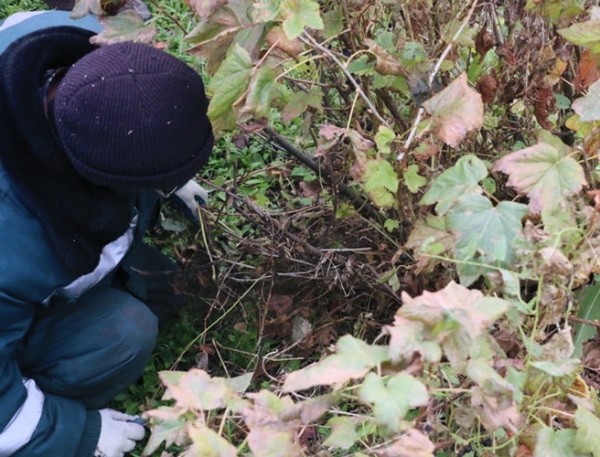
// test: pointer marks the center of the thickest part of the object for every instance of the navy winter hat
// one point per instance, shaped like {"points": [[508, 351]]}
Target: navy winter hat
{"points": [[130, 116]]}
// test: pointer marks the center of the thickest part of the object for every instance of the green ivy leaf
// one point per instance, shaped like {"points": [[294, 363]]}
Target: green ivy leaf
{"points": [[544, 172], [229, 83], [413, 180], [587, 438], [484, 233], [461, 179], [392, 398], [353, 358], [299, 14], [555, 443]]}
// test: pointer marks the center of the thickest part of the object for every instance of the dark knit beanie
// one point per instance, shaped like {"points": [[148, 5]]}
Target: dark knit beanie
{"points": [[130, 116]]}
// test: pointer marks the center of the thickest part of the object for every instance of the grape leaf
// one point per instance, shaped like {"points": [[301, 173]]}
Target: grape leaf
{"points": [[208, 443], [125, 26], [343, 432], [413, 180], [484, 233], [460, 179], [455, 111], [299, 14], [228, 84], [588, 107], [393, 398], [381, 182], [455, 317], [585, 34], [587, 438], [196, 390], [353, 359], [544, 172], [555, 443], [258, 98]]}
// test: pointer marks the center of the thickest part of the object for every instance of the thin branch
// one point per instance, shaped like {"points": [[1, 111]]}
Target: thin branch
{"points": [[432, 75], [311, 41], [359, 203]]}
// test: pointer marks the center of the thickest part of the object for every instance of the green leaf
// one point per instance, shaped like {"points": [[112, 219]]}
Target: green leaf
{"points": [[585, 34], [353, 358], [229, 83], [300, 101], [207, 443], [589, 310], [555, 443], [484, 233], [543, 172], [413, 180], [459, 180], [258, 99], [383, 138], [587, 438], [381, 182], [333, 23], [169, 431], [300, 14], [558, 369], [343, 433], [393, 398], [125, 26], [588, 107]]}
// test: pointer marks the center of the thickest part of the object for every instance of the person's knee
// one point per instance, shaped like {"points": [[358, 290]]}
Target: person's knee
{"points": [[132, 335]]}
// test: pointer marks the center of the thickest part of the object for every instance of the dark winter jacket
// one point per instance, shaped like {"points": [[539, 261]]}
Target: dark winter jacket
{"points": [[53, 227]]}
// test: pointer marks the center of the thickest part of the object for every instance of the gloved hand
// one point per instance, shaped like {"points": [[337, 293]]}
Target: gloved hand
{"points": [[188, 197], [118, 433]]}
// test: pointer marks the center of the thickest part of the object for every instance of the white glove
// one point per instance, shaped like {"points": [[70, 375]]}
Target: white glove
{"points": [[118, 433], [188, 197]]}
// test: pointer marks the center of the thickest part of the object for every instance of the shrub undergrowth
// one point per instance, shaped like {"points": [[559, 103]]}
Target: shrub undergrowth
{"points": [[400, 253]]}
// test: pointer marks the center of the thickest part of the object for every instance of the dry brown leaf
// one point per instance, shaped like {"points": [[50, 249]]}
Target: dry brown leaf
{"points": [[587, 71], [543, 102], [277, 38], [487, 86], [484, 41]]}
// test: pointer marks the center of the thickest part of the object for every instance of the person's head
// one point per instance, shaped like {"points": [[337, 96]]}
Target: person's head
{"points": [[130, 116]]}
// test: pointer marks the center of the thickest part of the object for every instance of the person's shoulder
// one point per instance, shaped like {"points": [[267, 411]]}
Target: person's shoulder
{"points": [[20, 24]]}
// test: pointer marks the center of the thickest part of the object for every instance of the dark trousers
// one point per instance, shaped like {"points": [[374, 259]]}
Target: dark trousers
{"points": [[92, 348]]}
